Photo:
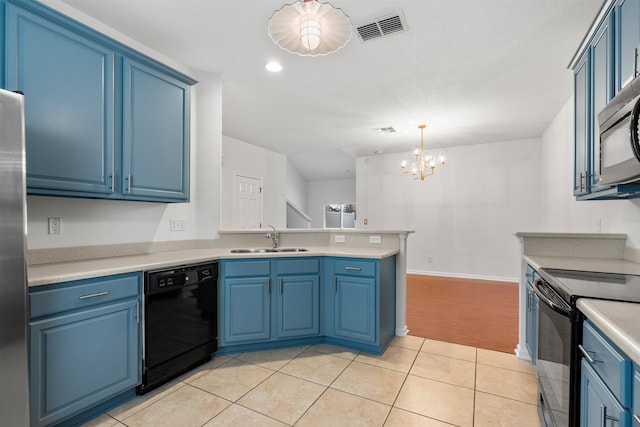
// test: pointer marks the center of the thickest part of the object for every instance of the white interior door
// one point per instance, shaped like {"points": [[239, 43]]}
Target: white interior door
{"points": [[247, 206]]}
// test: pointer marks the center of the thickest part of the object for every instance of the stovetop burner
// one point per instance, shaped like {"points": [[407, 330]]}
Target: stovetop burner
{"points": [[571, 285]]}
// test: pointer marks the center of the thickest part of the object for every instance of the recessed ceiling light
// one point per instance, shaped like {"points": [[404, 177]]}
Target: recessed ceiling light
{"points": [[274, 67]]}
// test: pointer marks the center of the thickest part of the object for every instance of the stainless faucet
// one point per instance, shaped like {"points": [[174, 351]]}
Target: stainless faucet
{"points": [[273, 235]]}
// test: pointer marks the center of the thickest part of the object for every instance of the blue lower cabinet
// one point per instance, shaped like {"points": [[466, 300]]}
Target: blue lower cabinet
{"points": [[360, 302], [355, 308], [531, 320], [267, 303], [82, 357], [635, 410], [247, 312], [267, 300], [598, 406], [298, 303]]}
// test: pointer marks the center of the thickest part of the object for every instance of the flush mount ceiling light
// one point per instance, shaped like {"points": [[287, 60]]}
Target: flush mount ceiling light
{"points": [[310, 28], [424, 164]]}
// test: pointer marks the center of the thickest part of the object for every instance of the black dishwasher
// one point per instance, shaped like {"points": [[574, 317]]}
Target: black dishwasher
{"points": [[180, 322]]}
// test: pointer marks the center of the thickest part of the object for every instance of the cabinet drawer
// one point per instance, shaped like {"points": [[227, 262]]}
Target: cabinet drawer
{"points": [[298, 266], [355, 267], [610, 363], [84, 293], [247, 268]]}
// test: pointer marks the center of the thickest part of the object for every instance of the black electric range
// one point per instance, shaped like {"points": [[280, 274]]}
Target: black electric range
{"points": [[572, 285], [559, 332]]}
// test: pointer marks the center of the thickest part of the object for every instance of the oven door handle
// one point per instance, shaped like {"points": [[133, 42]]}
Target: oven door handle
{"points": [[565, 311]]}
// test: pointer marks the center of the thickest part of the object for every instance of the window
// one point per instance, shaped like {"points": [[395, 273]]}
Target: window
{"points": [[339, 215]]}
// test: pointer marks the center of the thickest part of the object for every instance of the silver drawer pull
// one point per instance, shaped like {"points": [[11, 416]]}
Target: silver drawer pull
{"points": [[97, 294], [636, 418], [353, 268], [587, 355]]}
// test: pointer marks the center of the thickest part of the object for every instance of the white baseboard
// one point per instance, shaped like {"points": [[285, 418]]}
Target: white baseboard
{"points": [[464, 276]]}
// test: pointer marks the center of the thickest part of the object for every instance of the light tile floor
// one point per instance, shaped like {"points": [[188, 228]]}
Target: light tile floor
{"points": [[416, 382]]}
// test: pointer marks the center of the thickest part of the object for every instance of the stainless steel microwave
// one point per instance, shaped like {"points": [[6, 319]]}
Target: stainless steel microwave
{"points": [[619, 144]]}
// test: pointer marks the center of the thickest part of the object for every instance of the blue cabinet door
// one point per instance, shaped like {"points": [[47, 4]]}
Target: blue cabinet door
{"points": [[246, 310], [298, 306], [582, 125], [82, 358], [627, 38], [602, 92], [68, 82], [531, 321], [598, 407], [155, 127], [355, 308]]}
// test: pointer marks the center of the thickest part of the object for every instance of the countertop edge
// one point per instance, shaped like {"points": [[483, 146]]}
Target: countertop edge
{"points": [[620, 236], [46, 274], [600, 265], [609, 317]]}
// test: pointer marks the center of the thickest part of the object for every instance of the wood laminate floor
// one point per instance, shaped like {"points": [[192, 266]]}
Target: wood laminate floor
{"points": [[478, 313]]}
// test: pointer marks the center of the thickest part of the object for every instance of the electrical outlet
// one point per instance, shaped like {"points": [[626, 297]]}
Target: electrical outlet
{"points": [[55, 225], [375, 239], [339, 238], [177, 224]]}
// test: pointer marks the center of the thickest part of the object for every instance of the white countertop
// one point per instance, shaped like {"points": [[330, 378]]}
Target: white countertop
{"points": [[617, 320], [601, 265], [43, 274]]}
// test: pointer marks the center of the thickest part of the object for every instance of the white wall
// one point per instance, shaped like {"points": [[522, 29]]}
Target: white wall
{"points": [[296, 187], [464, 216], [96, 222], [320, 193], [241, 158], [562, 211]]}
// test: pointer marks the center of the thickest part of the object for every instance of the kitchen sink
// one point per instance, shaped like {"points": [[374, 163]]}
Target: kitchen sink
{"points": [[265, 250]]}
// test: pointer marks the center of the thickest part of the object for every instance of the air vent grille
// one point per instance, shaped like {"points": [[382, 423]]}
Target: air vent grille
{"points": [[388, 129], [381, 27]]}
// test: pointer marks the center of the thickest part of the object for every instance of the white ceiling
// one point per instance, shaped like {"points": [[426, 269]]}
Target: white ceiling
{"points": [[472, 71]]}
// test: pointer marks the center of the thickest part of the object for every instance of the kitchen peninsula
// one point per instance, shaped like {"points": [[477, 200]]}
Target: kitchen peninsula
{"points": [[48, 266]]}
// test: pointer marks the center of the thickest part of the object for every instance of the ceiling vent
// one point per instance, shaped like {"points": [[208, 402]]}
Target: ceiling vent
{"points": [[382, 27], [386, 130]]}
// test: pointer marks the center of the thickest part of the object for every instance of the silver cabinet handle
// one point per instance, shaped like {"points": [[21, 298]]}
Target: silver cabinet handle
{"points": [[138, 312], [587, 355], [97, 294], [281, 286], [353, 268], [604, 417], [335, 284], [636, 418], [129, 184], [269, 286]]}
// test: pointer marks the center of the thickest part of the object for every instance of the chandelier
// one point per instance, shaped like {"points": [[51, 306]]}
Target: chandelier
{"points": [[310, 28], [424, 164]]}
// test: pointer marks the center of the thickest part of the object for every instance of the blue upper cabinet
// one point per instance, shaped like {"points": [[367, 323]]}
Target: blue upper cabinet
{"points": [[602, 68], [102, 120], [601, 92], [68, 86], [628, 32], [155, 134], [581, 100]]}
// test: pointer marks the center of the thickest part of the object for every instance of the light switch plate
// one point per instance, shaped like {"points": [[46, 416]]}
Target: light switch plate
{"points": [[375, 239], [339, 238]]}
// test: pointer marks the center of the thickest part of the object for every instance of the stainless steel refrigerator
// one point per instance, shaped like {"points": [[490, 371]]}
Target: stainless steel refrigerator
{"points": [[14, 372]]}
